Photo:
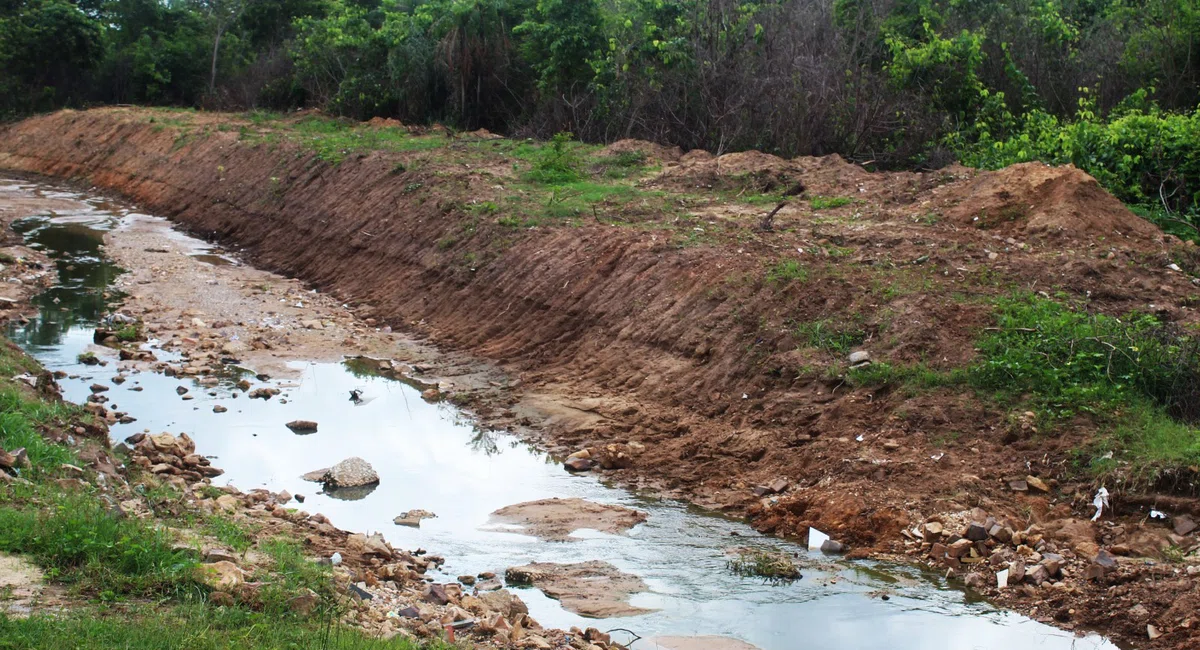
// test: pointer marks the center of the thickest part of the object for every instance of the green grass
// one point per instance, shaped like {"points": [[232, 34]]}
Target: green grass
{"points": [[829, 336], [787, 271], [194, 627], [235, 535], [828, 202], [76, 540]]}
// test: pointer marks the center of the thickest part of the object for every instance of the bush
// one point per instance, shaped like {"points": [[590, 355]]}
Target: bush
{"points": [[1073, 359], [557, 162]]}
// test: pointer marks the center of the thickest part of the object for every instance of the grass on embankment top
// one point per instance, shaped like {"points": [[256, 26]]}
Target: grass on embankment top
{"points": [[133, 586]]}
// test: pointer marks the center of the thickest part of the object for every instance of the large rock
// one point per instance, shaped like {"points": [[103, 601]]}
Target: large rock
{"points": [[352, 472], [591, 589]]}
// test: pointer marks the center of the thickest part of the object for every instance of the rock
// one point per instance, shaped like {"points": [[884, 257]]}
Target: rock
{"points": [[305, 603], [436, 594], [503, 601], [222, 575], [976, 533], [264, 393], [467, 580], [1105, 559], [302, 426], [976, 581], [578, 464], [1037, 484], [218, 555], [1037, 575], [1184, 525], [960, 548], [219, 409], [228, 502], [591, 589], [352, 472], [182, 390], [831, 546], [413, 518], [859, 357], [373, 545], [1018, 485], [409, 612], [488, 584], [555, 519], [98, 388], [1053, 563], [316, 476], [359, 591], [932, 531]]}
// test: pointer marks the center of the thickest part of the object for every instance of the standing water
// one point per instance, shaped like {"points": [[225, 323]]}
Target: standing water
{"points": [[429, 457]]}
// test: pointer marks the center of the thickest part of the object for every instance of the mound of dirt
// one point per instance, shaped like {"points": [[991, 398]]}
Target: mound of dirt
{"points": [[1037, 199], [655, 153], [593, 589], [832, 176], [555, 519], [744, 170], [385, 123]]}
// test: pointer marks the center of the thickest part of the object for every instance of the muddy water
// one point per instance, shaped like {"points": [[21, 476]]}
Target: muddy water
{"points": [[430, 457]]}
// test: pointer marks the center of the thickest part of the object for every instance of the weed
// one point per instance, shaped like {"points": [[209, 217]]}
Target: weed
{"points": [[557, 163], [775, 566], [829, 336], [231, 533], [787, 271], [129, 333], [828, 202]]}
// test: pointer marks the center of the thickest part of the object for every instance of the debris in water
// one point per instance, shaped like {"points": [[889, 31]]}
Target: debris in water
{"points": [[816, 538]]}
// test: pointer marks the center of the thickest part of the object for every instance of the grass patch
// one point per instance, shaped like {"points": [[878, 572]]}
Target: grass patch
{"points": [[195, 627], [293, 573], [557, 163], [775, 566], [78, 541], [236, 536], [828, 202], [829, 336], [786, 272]]}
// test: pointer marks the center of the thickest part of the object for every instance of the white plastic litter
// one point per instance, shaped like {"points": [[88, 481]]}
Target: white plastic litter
{"points": [[816, 538], [335, 559], [1002, 579], [1101, 502], [859, 438], [1158, 514]]}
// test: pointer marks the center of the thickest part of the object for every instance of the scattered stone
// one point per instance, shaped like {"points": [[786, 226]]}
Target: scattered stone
{"points": [[1018, 485], [302, 426], [1184, 525], [1037, 484], [578, 464], [352, 472], [413, 518], [436, 594], [181, 390], [304, 603], [264, 393], [860, 357], [223, 575], [98, 388], [831, 546], [219, 409], [467, 580], [976, 533]]}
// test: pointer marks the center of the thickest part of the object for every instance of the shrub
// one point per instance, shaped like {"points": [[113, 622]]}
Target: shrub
{"points": [[775, 566], [557, 163]]}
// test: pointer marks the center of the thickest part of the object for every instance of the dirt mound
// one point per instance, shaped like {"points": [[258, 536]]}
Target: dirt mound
{"points": [[385, 123], [654, 152], [831, 175], [744, 170], [555, 519], [593, 589], [484, 134], [1037, 199]]}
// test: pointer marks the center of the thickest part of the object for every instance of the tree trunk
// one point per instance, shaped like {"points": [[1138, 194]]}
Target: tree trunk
{"points": [[212, 80]]}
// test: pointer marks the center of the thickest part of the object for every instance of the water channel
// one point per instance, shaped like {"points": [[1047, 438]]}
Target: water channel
{"points": [[429, 456]]}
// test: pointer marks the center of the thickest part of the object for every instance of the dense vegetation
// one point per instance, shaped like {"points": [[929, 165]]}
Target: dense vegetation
{"points": [[1110, 85]]}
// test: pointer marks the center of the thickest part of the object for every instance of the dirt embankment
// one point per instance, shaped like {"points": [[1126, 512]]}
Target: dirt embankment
{"points": [[696, 343]]}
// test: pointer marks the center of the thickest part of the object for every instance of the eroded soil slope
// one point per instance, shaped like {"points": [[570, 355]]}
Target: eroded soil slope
{"points": [[667, 317]]}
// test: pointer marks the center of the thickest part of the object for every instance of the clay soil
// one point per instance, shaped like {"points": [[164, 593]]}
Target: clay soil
{"points": [[678, 328]]}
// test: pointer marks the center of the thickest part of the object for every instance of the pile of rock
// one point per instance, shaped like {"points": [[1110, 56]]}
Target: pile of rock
{"points": [[166, 454], [611, 456]]}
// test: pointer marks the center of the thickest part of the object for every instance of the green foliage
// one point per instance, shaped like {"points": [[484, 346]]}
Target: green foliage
{"points": [[1071, 359], [292, 573], [557, 163], [828, 202], [77, 540], [787, 271], [829, 336], [236, 536]]}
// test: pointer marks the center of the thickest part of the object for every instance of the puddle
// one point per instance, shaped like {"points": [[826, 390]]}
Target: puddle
{"points": [[429, 457]]}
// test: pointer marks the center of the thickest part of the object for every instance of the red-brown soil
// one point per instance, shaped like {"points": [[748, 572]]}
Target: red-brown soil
{"points": [[678, 334]]}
